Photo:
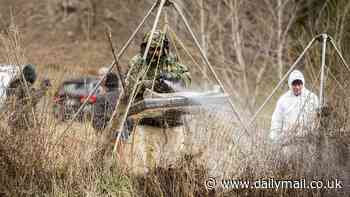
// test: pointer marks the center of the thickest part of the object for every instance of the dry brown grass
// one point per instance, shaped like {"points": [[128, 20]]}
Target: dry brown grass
{"points": [[36, 162]]}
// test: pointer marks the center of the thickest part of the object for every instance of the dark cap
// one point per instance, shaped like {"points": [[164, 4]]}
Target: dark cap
{"points": [[29, 73]]}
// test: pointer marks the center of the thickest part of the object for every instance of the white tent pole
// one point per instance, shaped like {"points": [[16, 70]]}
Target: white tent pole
{"points": [[234, 109], [339, 54], [125, 115], [323, 64]]}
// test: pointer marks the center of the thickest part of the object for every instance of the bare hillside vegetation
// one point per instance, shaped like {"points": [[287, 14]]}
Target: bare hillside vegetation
{"points": [[251, 45]]}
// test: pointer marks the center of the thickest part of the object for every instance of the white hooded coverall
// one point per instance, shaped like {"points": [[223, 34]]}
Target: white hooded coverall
{"points": [[294, 113], [7, 74]]}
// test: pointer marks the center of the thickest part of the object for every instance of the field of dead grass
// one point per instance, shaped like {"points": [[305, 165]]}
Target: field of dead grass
{"points": [[43, 162]]}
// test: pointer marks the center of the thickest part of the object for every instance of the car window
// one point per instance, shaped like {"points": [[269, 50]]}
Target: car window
{"points": [[73, 87], [79, 87]]}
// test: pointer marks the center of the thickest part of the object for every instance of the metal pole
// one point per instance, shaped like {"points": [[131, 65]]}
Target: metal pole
{"points": [[281, 81], [124, 49], [111, 66], [210, 66], [323, 64], [120, 54], [153, 29], [134, 88], [339, 54]]}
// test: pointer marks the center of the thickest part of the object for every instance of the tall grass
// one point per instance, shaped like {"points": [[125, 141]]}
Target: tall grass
{"points": [[36, 162]]}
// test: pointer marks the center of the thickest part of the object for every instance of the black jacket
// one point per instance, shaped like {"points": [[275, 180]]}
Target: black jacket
{"points": [[104, 107]]}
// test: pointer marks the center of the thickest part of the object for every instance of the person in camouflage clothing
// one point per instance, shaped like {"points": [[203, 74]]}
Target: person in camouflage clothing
{"points": [[21, 101], [159, 65], [155, 72]]}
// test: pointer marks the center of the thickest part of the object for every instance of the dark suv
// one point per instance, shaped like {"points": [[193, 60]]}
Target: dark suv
{"points": [[71, 95]]}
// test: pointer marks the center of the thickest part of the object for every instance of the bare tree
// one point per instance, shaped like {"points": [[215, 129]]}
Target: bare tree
{"points": [[246, 40]]}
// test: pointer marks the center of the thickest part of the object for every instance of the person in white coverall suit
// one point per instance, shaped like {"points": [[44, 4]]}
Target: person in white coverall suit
{"points": [[295, 112]]}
